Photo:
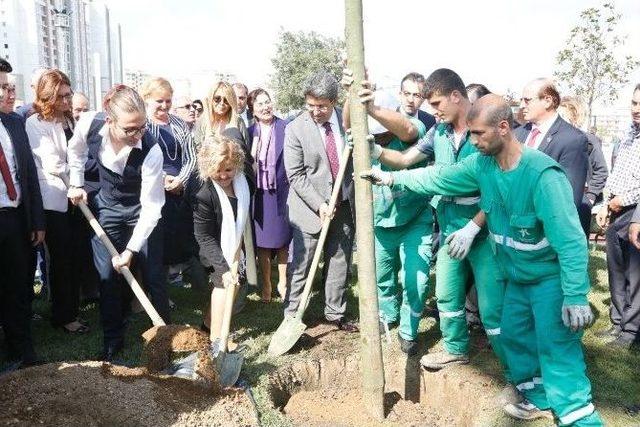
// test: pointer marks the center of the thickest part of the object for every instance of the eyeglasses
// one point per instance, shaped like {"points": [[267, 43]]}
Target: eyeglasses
{"points": [[66, 97], [218, 99], [411, 95], [190, 107], [133, 131], [526, 101], [321, 108], [8, 87]]}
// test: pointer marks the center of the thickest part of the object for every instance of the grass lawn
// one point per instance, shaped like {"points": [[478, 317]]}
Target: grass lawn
{"points": [[615, 374]]}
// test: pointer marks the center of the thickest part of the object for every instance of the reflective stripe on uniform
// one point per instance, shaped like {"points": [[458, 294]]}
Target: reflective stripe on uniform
{"points": [[465, 201], [494, 331], [415, 313], [529, 385], [451, 313], [574, 416], [508, 241]]}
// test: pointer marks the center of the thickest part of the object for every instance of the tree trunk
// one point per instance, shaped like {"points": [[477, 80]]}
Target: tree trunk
{"points": [[371, 352]]}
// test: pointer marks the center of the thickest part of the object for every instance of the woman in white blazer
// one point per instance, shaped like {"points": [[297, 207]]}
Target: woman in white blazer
{"points": [[49, 129]]}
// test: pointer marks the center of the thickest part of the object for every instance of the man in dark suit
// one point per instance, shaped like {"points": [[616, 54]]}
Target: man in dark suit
{"points": [[412, 97], [21, 227], [546, 131], [313, 147]]}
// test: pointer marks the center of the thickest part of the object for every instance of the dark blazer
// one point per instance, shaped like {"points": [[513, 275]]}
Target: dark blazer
{"points": [[25, 111], [309, 173], [597, 173], [566, 145], [427, 119], [26, 172], [207, 227]]}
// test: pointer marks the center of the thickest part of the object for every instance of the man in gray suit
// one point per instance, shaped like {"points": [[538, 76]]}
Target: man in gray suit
{"points": [[313, 147]]}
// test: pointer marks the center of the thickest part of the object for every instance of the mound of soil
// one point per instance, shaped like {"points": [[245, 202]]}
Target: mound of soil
{"points": [[101, 394]]}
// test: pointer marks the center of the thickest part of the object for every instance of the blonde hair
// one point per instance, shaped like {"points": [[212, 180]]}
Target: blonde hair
{"points": [[155, 83], [216, 151], [211, 119], [122, 99], [574, 108]]}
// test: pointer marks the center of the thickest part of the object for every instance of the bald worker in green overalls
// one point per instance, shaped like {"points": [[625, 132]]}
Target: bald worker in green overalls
{"points": [[538, 243]]}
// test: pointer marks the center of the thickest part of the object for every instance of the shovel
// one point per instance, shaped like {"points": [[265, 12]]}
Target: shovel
{"points": [[291, 328], [131, 280], [228, 363]]}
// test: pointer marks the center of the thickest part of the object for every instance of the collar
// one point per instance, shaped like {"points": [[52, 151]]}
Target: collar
{"points": [[401, 110], [104, 133], [546, 125], [333, 120]]}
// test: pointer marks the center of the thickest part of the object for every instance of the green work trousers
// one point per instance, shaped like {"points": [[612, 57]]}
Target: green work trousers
{"points": [[403, 255], [544, 356], [451, 280]]}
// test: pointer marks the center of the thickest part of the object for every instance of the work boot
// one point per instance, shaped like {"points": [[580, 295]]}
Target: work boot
{"points": [[442, 359], [623, 341], [509, 395], [410, 347], [526, 410]]}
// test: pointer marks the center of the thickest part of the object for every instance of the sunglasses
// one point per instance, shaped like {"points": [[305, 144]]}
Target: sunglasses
{"points": [[194, 107], [218, 99]]}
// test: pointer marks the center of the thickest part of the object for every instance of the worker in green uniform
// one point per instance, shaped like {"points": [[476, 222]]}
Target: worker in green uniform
{"points": [[403, 224], [536, 237], [465, 247]]}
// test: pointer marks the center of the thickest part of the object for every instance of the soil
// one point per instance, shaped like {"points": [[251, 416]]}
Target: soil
{"points": [[101, 394], [322, 388]]}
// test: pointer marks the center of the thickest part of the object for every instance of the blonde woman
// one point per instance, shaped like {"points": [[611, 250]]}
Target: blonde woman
{"points": [[128, 204], [220, 114], [221, 216], [179, 161]]}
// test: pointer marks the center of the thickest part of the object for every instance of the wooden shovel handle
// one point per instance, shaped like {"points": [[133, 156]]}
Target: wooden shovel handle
{"points": [[229, 298], [337, 185], [131, 280]]}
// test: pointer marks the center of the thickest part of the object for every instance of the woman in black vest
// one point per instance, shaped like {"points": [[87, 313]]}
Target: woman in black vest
{"points": [[128, 204]]}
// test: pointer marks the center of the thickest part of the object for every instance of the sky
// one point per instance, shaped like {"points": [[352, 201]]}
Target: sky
{"points": [[501, 43]]}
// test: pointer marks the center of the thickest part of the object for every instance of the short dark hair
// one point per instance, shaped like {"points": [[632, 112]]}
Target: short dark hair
{"points": [[322, 84], [414, 77], [240, 85], [444, 81], [197, 101], [493, 113], [477, 89], [5, 67]]}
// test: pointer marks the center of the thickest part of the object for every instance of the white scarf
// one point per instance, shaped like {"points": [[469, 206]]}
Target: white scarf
{"points": [[233, 228]]}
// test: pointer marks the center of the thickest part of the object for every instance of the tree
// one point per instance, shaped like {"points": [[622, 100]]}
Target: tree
{"points": [[591, 65], [300, 54]]}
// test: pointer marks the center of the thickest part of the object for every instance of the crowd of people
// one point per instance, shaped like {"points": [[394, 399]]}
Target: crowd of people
{"points": [[498, 198]]}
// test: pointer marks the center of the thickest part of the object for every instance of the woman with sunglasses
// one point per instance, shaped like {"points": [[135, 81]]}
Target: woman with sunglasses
{"points": [[271, 221], [220, 114], [128, 204], [179, 161], [186, 110], [49, 129]]}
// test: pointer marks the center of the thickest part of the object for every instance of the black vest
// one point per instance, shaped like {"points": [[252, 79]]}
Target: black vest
{"points": [[125, 189]]}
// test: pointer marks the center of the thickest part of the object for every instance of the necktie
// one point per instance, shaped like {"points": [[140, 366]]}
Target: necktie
{"points": [[6, 176], [532, 139], [332, 151]]}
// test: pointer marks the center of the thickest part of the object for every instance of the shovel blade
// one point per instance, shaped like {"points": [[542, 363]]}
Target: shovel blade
{"points": [[229, 365], [286, 336]]}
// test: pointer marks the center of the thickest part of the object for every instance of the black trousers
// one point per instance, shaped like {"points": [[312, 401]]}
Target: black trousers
{"points": [[83, 271], [623, 262], [15, 297], [65, 288], [584, 213], [115, 295]]}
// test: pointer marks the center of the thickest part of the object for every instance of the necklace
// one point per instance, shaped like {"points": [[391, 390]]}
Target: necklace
{"points": [[166, 147]]}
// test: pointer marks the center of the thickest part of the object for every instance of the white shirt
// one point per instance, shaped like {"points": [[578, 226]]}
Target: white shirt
{"points": [[544, 129], [152, 187], [7, 147], [244, 117], [49, 146]]}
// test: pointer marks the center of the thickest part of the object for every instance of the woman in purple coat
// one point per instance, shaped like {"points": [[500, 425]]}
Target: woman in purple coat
{"points": [[270, 204]]}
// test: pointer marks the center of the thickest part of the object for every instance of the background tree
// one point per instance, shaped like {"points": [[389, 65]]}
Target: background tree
{"points": [[298, 55], [591, 66]]}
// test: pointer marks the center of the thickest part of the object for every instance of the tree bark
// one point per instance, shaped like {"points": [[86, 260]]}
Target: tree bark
{"points": [[371, 351]]}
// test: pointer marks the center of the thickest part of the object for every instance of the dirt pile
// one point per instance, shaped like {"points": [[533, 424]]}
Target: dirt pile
{"points": [[99, 394]]}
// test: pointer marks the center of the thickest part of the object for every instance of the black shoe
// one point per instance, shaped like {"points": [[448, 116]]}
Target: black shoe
{"points": [[345, 325], [612, 332], [409, 347], [623, 342], [110, 353]]}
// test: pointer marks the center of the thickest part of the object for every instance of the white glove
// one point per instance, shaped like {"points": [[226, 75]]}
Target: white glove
{"points": [[577, 316], [378, 177], [460, 241], [375, 151]]}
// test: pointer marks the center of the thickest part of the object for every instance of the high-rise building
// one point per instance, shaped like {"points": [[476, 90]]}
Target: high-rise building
{"points": [[75, 36]]}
